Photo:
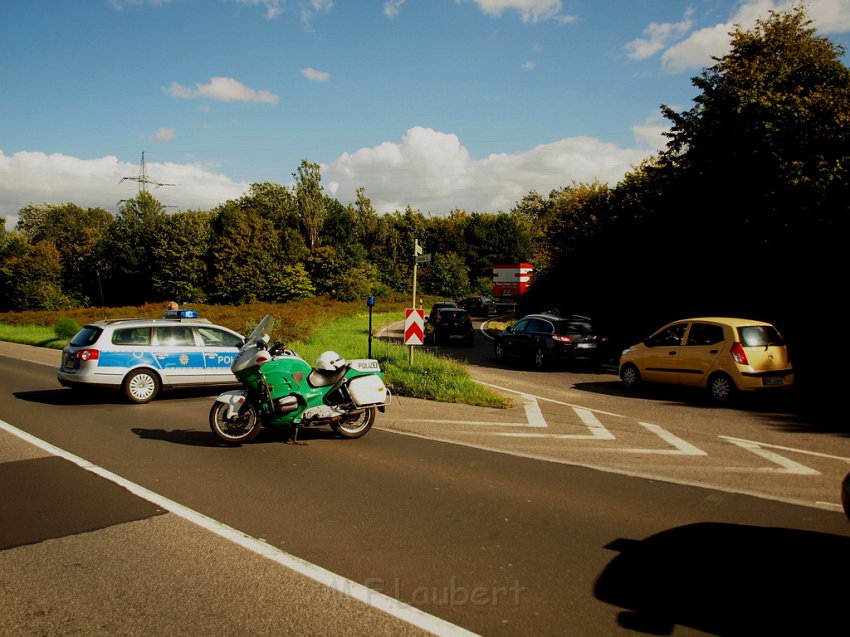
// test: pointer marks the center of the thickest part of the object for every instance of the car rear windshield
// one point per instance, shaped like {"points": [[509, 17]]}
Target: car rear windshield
{"points": [[86, 336], [454, 317], [760, 336], [573, 327]]}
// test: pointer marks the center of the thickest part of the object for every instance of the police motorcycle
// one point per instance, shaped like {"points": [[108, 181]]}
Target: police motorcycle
{"points": [[281, 389]]}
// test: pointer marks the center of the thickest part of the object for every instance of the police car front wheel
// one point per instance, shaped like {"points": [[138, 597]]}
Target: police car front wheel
{"points": [[141, 386]]}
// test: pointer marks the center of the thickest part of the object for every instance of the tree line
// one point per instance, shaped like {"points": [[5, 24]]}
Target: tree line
{"points": [[275, 244], [744, 213]]}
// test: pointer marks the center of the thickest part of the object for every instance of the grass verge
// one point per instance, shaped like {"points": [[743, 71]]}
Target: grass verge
{"points": [[429, 377]]}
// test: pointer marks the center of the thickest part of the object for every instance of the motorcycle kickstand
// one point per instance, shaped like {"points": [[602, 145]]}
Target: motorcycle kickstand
{"points": [[294, 439]]}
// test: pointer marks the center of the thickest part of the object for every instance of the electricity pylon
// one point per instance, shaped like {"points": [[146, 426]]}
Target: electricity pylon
{"points": [[143, 178]]}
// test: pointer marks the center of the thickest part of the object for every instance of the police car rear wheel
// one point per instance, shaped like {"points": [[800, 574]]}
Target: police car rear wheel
{"points": [[141, 386]]}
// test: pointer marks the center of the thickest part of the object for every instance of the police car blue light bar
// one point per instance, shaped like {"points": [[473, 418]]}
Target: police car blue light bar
{"points": [[180, 314]]}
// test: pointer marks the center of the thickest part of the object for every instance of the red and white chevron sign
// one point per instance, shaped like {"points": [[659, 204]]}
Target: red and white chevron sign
{"points": [[414, 326]]}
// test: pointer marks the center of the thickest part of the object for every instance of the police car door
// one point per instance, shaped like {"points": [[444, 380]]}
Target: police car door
{"points": [[220, 348], [181, 359]]}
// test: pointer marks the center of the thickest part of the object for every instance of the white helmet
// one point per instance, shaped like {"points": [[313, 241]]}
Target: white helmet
{"points": [[330, 361]]}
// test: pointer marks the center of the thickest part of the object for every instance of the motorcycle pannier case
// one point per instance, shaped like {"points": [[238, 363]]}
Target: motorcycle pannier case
{"points": [[368, 390]]}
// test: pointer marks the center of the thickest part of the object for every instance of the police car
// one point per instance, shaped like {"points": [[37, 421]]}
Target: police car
{"points": [[141, 357]]}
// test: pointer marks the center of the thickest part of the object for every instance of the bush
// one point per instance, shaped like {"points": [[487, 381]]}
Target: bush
{"points": [[66, 328]]}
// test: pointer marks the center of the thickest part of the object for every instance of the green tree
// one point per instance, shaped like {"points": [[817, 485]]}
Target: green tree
{"points": [[181, 254], [279, 205], [130, 248], [447, 276], [245, 266], [772, 125], [394, 253], [78, 234], [577, 214], [310, 201], [295, 283], [31, 276]]}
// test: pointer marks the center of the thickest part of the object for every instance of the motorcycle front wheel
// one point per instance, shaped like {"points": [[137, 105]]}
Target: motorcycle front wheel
{"points": [[357, 425], [243, 427]]}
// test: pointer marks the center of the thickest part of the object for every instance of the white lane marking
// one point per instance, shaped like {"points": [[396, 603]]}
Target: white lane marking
{"points": [[596, 428], [680, 447], [592, 423], [339, 584], [17, 358], [552, 400], [533, 413], [786, 465], [792, 449]]}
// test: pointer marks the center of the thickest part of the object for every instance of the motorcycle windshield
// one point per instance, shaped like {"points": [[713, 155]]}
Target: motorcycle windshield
{"points": [[261, 329]]}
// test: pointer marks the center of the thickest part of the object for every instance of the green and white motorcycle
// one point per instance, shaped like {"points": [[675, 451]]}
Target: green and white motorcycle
{"points": [[280, 389]]}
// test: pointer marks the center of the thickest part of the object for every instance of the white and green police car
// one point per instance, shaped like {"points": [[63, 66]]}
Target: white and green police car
{"points": [[143, 356]]}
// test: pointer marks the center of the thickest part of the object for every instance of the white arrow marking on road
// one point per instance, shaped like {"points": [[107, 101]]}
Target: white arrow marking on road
{"points": [[532, 412], [787, 465], [681, 448], [597, 430]]}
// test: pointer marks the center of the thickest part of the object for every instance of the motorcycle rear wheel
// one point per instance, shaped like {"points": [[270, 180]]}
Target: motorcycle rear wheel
{"points": [[235, 431], [357, 425]]}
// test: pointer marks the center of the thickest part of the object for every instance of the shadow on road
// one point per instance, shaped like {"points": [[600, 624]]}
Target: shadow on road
{"points": [[196, 438], [728, 579], [65, 396]]}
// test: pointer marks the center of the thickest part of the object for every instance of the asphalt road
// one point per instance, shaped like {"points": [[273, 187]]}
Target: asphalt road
{"points": [[606, 521]]}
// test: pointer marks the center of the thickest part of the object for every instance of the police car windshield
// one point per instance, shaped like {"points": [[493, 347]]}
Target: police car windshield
{"points": [[262, 328]]}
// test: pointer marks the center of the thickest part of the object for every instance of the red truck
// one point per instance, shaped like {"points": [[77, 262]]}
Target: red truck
{"points": [[510, 281]]}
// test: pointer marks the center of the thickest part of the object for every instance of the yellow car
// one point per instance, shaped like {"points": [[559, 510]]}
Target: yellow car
{"points": [[723, 355]]}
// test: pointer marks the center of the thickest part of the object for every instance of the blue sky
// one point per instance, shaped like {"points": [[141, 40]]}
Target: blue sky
{"points": [[436, 104]]}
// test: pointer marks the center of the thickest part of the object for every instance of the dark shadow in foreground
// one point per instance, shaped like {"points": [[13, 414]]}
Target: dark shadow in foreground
{"points": [[729, 579]]}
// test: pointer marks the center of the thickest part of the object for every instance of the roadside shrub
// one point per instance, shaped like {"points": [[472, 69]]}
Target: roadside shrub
{"points": [[66, 328]]}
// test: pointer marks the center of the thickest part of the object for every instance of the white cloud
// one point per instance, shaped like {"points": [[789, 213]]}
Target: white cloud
{"points": [[316, 76], [433, 172], [120, 4], [528, 66], [38, 177], [392, 7], [658, 36], [309, 8], [163, 135], [223, 89], [697, 49], [273, 8], [529, 10], [428, 170], [650, 133]]}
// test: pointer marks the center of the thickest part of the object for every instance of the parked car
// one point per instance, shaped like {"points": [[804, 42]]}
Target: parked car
{"points": [[143, 356], [723, 355], [547, 338], [449, 325], [478, 306]]}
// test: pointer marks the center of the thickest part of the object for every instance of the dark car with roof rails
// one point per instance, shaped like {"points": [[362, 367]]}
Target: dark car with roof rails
{"points": [[547, 338]]}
